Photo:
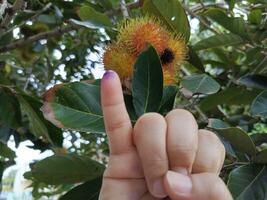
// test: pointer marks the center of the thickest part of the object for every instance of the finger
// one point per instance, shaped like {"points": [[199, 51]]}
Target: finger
{"points": [[210, 154], [122, 189], [150, 141], [148, 196], [117, 123], [197, 187], [182, 140]]}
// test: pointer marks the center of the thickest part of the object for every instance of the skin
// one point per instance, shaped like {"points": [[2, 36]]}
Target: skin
{"points": [[160, 156]]}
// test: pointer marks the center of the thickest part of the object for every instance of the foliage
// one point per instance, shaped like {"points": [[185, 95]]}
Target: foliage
{"points": [[223, 83]]}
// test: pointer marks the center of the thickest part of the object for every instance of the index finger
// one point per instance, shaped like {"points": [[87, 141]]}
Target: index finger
{"points": [[117, 122]]}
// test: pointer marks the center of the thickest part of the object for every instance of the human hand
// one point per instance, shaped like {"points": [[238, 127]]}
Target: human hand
{"points": [[158, 157]]}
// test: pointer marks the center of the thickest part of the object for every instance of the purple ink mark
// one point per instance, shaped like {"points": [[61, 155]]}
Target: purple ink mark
{"points": [[109, 74]]}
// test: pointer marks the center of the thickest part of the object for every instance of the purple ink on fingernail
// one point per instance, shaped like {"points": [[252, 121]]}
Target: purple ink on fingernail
{"points": [[109, 74]]}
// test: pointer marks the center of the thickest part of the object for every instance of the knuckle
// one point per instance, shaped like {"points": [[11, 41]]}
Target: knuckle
{"points": [[156, 162], [185, 150], [218, 188], [211, 165], [209, 136], [118, 125], [148, 119], [206, 135], [182, 156], [181, 113]]}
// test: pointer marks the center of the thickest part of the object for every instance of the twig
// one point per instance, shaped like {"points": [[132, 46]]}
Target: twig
{"points": [[124, 9], [199, 7], [197, 108], [3, 7], [235, 163], [202, 4], [29, 75], [18, 5], [129, 6], [194, 15], [44, 35], [57, 31], [33, 18]]}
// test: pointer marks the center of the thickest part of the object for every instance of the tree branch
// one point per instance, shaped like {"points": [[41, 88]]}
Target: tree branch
{"points": [[192, 14], [124, 9], [44, 35], [33, 18], [129, 6], [3, 7], [18, 5]]}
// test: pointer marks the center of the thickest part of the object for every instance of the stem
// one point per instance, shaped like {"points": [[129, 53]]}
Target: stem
{"points": [[33, 18], [129, 6], [3, 7], [44, 35], [124, 9], [235, 163], [197, 108], [18, 5], [194, 15]]}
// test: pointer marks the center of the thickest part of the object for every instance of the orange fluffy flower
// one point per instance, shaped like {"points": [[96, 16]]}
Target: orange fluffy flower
{"points": [[135, 34], [117, 59], [133, 37]]}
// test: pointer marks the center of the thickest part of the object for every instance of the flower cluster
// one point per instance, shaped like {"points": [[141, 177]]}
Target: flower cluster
{"points": [[134, 35]]}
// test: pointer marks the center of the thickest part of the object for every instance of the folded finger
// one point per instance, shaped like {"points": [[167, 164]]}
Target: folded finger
{"points": [[150, 140], [210, 154], [182, 140], [196, 187]]}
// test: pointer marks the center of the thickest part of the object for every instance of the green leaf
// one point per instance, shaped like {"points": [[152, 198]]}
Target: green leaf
{"points": [[171, 13], [226, 39], [231, 4], [9, 108], [254, 81], [88, 191], [235, 25], [65, 169], [6, 152], [75, 106], [37, 125], [238, 139], [168, 99], [128, 99], [147, 82], [6, 39], [93, 18], [195, 60], [248, 182], [55, 134], [229, 96], [47, 19], [261, 157], [259, 105], [5, 133], [200, 84], [255, 16], [259, 138], [2, 168], [217, 123]]}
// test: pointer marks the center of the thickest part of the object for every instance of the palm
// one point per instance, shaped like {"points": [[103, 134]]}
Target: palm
{"points": [[149, 161], [126, 178]]}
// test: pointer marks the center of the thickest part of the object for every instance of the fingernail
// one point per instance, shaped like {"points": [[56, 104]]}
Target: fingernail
{"points": [[181, 170], [158, 189], [179, 183], [109, 74]]}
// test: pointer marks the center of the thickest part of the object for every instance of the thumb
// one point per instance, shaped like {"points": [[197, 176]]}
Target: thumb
{"points": [[195, 187]]}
